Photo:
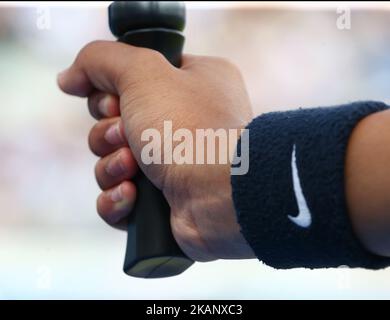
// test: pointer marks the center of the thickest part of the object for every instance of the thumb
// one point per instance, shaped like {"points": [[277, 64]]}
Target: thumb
{"points": [[99, 65]]}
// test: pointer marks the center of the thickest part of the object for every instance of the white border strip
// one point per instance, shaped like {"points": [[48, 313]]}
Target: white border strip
{"points": [[302, 5]]}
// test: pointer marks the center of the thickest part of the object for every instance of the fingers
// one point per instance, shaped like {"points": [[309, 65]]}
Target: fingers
{"points": [[115, 168], [107, 136], [113, 171], [115, 204], [110, 66], [103, 105], [99, 65]]}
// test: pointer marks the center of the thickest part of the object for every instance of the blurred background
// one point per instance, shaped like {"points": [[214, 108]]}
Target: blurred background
{"points": [[52, 243]]}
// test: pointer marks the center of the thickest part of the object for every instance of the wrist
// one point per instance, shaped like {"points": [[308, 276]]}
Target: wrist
{"points": [[292, 205], [204, 219], [224, 236]]}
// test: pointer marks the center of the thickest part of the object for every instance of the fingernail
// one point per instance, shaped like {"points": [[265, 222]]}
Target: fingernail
{"points": [[113, 135], [115, 166], [103, 106], [116, 194], [119, 207]]}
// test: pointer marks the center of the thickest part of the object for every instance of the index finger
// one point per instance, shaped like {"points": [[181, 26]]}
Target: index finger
{"points": [[99, 65]]}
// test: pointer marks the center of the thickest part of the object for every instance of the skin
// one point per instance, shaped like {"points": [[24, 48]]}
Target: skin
{"points": [[130, 89], [367, 177], [134, 89]]}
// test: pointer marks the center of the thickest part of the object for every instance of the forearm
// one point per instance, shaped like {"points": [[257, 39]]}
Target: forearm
{"points": [[367, 181]]}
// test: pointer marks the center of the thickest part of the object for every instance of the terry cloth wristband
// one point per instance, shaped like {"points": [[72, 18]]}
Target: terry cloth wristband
{"points": [[291, 204]]}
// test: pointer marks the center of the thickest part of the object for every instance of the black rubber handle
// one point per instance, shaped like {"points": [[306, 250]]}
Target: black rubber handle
{"points": [[152, 251]]}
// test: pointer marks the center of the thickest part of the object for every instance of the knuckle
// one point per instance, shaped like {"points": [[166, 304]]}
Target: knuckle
{"points": [[155, 55], [144, 63], [98, 173], [92, 143], [149, 54], [104, 211], [89, 47], [222, 66], [149, 57], [101, 208]]}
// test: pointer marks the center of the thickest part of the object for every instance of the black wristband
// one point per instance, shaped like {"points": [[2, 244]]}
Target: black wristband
{"points": [[291, 204]]}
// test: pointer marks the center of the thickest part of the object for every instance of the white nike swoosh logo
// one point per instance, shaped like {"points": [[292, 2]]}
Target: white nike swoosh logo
{"points": [[303, 219]]}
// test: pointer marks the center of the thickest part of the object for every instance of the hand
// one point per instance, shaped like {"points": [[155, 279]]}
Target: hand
{"points": [[131, 89]]}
